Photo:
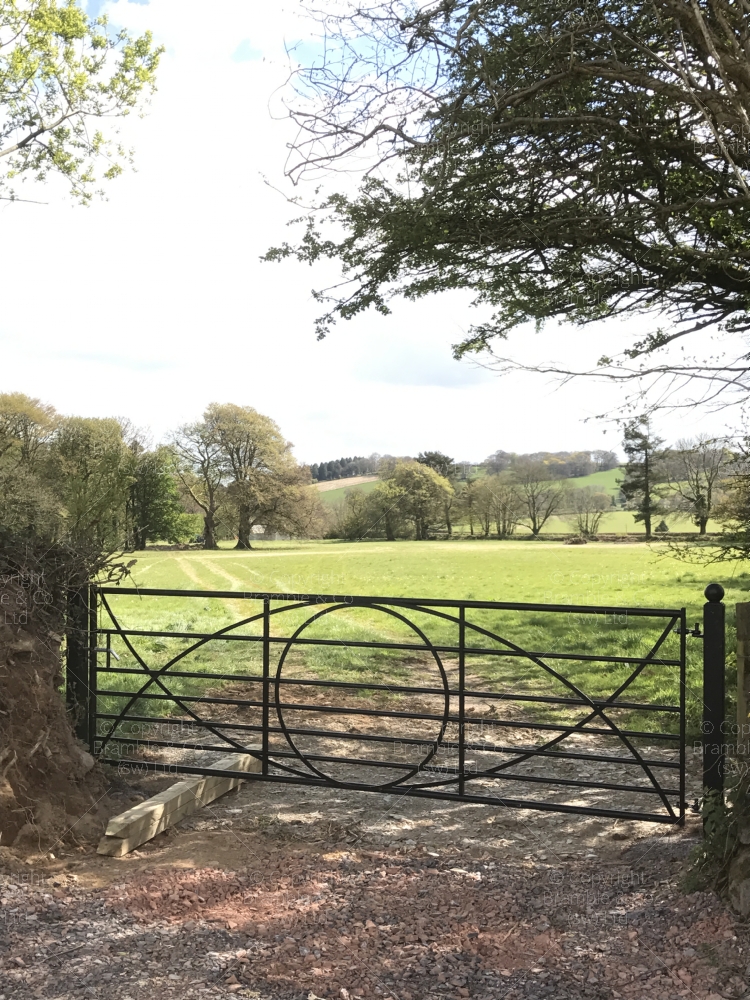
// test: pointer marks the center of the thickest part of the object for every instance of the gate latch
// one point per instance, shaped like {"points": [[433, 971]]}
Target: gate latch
{"points": [[103, 649], [695, 632]]}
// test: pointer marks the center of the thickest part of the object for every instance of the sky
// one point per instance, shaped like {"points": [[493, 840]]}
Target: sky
{"points": [[153, 303]]}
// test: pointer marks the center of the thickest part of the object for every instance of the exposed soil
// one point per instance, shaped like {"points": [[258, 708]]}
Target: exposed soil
{"points": [[281, 891], [48, 785], [338, 484]]}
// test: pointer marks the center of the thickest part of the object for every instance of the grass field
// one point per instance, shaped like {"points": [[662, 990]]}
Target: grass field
{"points": [[333, 497], [606, 482], [543, 572]]}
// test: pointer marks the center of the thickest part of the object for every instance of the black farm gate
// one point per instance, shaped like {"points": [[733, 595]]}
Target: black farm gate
{"points": [[576, 709]]}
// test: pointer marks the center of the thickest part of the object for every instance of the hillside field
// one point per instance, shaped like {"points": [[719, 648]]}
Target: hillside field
{"points": [[331, 496], [606, 482], [618, 522]]}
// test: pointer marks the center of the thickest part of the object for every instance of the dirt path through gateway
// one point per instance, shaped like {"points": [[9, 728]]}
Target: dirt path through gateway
{"points": [[281, 892]]}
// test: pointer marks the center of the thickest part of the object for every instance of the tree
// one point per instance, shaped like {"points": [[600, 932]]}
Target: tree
{"points": [[588, 507], [695, 471], [540, 495], [264, 482], [498, 461], [645, 473], [153, 507], [436, 460], [63, 76], [422, 495], [732, 511], [504, 502], [469, 502], [604, 460], [199, 468], [446, 468], [26, 426], [88, 468], [567, 163], [382, 513]]}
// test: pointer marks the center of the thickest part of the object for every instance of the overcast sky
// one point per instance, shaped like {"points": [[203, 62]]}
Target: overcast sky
{"points": [[154, 303]]}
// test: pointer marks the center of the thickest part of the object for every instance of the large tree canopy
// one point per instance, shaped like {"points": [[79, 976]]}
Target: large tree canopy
{"points": [[63, 78], [561, 162]]}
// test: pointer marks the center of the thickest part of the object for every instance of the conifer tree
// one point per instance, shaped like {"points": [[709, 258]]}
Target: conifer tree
{"points": [[643, 486]]}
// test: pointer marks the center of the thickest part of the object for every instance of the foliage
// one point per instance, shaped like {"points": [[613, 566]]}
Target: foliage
{"points": [[540, 496], [199, 470], [29, 511], [26, 425], [494, 499], [153, 509], [695, 471], [644, 473], [423, 495], [385, 512], [235, 466], [561, 163], [410, 498], [436, 460], [725, 818], [88, 463], [62, 76], [264, 484], [376, 514], [588, 507], [342, 468]]}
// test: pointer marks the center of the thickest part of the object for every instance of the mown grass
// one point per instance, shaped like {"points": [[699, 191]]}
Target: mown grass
{"points": [[539, 572]]}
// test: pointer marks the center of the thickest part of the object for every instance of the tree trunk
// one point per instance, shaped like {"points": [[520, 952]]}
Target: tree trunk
{"points": [[209, 532], [243, 530], [389, 533], [647, 495], [448, 524], [702, 523], [141, 537]]}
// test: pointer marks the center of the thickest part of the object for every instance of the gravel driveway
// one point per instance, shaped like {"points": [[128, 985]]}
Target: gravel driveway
{"points": [[280, 891]]}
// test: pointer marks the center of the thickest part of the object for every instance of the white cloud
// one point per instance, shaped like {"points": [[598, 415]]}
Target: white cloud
{"points": [[154, 303]]}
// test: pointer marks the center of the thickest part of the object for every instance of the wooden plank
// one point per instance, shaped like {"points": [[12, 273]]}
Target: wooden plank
{"points": [[143, 822]]}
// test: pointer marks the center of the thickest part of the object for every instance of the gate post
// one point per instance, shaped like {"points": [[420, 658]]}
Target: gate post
{"points": [[713, 688], [77, 661], [743, 667]]}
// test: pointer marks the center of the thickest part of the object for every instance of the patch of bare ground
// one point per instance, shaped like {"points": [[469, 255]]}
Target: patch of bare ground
{"points": [[281, 891]]}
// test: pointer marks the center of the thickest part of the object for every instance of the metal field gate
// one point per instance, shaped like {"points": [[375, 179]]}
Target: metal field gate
{"points": [[569, 708]]}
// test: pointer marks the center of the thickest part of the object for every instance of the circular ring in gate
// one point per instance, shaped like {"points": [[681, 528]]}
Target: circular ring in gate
{"points": [[431, 746]]}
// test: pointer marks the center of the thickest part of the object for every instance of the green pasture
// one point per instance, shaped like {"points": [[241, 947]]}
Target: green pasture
{"points": [[605, 482], [617, 575], [333, 497]]}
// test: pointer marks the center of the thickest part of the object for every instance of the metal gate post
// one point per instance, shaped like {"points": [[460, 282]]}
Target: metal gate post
{"points": [[266, 680], [461, 700], [93, 648], [713, 688], [77, 662]]}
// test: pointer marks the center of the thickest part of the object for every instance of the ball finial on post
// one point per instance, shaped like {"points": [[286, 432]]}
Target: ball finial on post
{"points": [[714, 593]]}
